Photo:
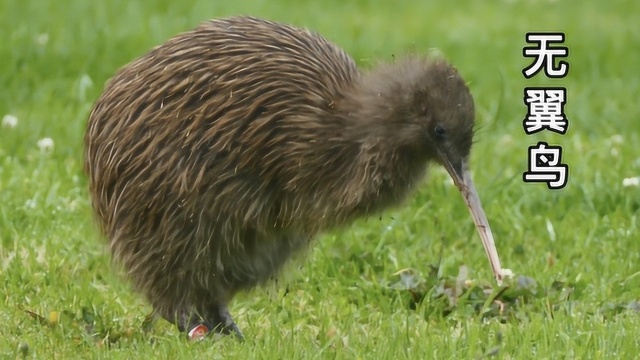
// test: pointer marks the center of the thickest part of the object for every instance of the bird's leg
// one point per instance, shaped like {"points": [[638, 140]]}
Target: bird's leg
{"points": [[149, 320], [220, 318], [186, 321]]}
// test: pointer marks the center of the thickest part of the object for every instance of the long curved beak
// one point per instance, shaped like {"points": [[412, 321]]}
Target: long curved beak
{"points": [[459, 172]]}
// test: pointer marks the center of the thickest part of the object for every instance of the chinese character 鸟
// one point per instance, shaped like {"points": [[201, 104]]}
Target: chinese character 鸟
{"points": [[545, 166]]}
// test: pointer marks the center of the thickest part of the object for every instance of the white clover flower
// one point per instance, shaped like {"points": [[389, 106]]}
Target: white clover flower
{"points": [[9, 121], [42, 39], [634, 181], [505, 139], [45, 144], [616, 139], [83, 84], [615, 152], [31, 204], [507, 273]]}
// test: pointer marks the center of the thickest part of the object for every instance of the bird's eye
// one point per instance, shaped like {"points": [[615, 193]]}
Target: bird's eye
{"points": [[440, 132]]}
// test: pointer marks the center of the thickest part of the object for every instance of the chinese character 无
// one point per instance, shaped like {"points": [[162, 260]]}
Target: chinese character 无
{"points": [[545, 55], [546, 110], [545, 166]]}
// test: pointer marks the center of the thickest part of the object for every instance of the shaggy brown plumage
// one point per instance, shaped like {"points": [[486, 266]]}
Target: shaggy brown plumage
{"points": [[216, 156]]}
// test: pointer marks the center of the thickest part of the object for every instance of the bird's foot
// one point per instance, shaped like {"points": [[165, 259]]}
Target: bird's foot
{"points": [[218, 321], [224, 322]]}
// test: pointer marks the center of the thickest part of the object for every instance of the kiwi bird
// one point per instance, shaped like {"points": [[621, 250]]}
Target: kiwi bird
{"points": [[218, 155]]}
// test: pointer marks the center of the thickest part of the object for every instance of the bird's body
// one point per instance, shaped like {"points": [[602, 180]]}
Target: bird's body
{"points": [[218, 155]]}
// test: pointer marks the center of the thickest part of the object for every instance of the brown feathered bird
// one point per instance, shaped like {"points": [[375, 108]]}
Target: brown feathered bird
{"points": [[216, 156]]}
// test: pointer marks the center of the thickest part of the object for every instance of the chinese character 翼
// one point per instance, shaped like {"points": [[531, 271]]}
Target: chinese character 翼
{"points": [[545, 166], [546, 110]]}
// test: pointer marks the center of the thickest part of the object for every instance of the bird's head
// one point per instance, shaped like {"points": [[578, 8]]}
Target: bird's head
{"points": [[423, 108]]}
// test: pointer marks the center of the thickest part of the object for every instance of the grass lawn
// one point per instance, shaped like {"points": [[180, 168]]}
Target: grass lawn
{"points": [[413, 283]]}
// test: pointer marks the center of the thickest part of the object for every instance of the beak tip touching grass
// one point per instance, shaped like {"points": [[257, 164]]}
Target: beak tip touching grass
{"points": [[459, 172]]}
